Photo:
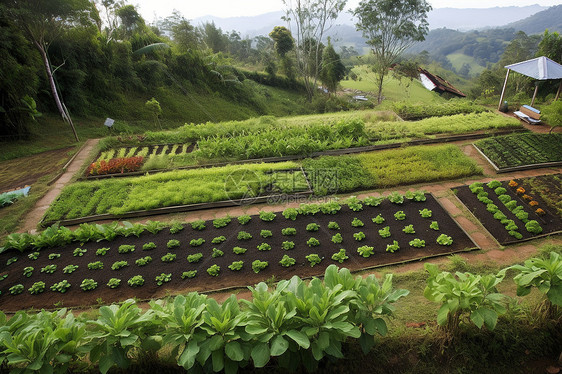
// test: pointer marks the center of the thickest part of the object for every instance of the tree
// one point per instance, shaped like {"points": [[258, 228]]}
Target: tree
{"points": [[45, 20], [154, 108], [333, 71], [214, 38], [184, 34], [551, 46], [311, 20], [284, 44], [390, 27]]}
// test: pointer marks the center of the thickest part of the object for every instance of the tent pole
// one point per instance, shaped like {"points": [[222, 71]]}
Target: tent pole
{"points": [[559, 89], [503, 89], [535, 94]]}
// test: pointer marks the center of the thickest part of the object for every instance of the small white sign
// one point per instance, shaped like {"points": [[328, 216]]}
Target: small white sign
{"points": [[109, 122]]}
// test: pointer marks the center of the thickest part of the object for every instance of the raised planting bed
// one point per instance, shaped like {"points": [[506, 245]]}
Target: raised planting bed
{"points": [[177, 191], [413, 112], [269, 143], [406, 231], [522, 151], [509, 212], [146, 151]]}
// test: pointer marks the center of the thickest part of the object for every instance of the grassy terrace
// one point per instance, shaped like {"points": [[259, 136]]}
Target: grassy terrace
{"points": [[118, 196]]}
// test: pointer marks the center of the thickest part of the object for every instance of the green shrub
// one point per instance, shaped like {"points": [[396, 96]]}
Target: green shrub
{"points": [[264, 247], [221, 222], [217, 253], [392, 247], [366, 251], [312, 227], [189, 274], [359, 236], [313, 242], [163, 278], [196, 257], [339, 256], [126, 248], [267, 216], [196, 242], [143, 261], [258, 265], [289, 231], [148, 246], [243, 235], [119, 265], [313, 259], [333, 225], [214, 270], [239, 250], [198, 225], [168, 257], [136, 281], [95, 265], [236, 265], [287, 261], [88, 284], [266, 233], [244, 219]]}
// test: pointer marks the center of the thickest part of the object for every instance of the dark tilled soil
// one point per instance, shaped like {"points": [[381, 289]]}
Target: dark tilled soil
{"points": [[549, 222], [228, 278], [25, 171]]}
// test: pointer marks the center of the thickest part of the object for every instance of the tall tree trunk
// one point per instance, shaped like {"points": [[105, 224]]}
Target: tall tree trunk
{"points": [[380, 83], [62, 112]]}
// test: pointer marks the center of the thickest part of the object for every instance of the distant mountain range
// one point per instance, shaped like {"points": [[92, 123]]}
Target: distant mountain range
{"points": [[451, 18], [458, 37]]}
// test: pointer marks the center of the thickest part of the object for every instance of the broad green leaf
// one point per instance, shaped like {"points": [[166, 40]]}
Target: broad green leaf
{"points": [[300, 338], [442, 315], [217, 358], [555, 294], [477, 318], [528, 278], [255, 330], [234, 351], [260, 354], [187, 358], [279, 345], [105, 363], [380, 325]]}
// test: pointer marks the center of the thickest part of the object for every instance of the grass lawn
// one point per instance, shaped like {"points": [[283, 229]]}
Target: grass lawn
{"points": [[393, 89]]}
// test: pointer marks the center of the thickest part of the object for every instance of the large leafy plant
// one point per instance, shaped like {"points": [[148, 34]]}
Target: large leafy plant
{"points": [[546, 276], [464, 296]]}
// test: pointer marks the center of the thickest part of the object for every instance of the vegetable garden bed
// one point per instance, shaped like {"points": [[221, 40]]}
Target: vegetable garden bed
{"points": [[273, 142], [177, 191], [146, 151], [522, 151], [406, 231], [510, 212]]}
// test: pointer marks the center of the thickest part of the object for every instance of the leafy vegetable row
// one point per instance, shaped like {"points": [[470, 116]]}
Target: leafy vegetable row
{"points": [[296, 323], [59, 235]]}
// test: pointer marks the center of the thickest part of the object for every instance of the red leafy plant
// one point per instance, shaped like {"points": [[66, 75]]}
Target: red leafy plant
{"points": [[115, 165]]}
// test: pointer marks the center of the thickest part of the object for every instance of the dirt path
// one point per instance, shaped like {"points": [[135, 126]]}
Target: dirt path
{"points": [[34, 216]]}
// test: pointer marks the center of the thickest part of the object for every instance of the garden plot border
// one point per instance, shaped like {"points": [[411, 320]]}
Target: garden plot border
{"points": [[480, 212], [189, 207], [517, 168], [333, 152]]}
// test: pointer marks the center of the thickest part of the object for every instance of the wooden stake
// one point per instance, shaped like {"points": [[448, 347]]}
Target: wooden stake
{"points": [[503, 89], [558, 93], [535, 93]]}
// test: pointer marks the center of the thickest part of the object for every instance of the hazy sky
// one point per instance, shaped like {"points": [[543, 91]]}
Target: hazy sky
{"points": [[234, 8]]}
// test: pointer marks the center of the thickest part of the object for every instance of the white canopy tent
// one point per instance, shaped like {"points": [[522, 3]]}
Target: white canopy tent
{"points": [[540, 68]]}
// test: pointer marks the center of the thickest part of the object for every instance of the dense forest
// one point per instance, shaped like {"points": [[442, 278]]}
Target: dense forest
{"points": [[102, 54]]}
